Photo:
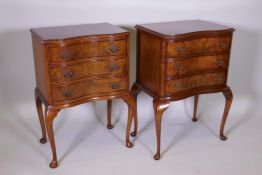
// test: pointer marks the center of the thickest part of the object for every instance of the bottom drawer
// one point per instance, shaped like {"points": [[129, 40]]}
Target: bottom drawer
{"points": [[86, 88], [196, 81]]}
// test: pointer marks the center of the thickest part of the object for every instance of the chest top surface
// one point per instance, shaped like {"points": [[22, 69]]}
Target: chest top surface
{"points": [[175, 28], [72, 31]]}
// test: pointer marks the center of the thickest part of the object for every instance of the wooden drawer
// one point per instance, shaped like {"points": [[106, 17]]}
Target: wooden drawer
{"points": [[198, 47], [84, 50], [196, 64], [196, 81], [92, 67], [86, 88]]}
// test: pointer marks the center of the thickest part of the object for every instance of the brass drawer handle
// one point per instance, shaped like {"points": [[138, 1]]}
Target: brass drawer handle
{"points": [[68, 94], [68, 74], [181, 86], [219, 79], [222, 45], [180, 49], [219, 62], [113, 48], [187, 85], [179, 68], [115, 85], [114, 67], [176, 86], [66, 55]]}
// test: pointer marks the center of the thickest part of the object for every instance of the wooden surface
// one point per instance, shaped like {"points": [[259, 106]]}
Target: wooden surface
{"points": [[183, 67], [72, 31], [89, 67], [174, 28], [78, 64], [87, 50], [176, 60], [203, 46], [150, 62], [207, 80], [85, 88]]}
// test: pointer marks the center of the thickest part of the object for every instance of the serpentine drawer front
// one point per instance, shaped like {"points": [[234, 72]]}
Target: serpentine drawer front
{"points": [[196, 64], [88, 88], [88, 49], [176, 60], [203, 46], [90, 67], [77, 64]]}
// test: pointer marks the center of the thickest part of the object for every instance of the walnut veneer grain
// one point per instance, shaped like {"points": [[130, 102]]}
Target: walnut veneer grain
{"points": [[176, 60], [78, 64]]}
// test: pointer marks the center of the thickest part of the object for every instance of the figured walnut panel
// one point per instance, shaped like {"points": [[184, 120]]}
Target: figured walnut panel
{"points": [[41, 71], [85, 50], [91, 67], [149, 62], [196, 64], [198, 47], [196, 81], [85, 88]]}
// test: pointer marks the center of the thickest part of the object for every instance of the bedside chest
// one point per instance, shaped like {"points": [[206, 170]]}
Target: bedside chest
{"points": [[77, 64], [176, 60]]}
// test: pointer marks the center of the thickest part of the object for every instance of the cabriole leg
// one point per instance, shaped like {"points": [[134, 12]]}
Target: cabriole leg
{"points": [[51, 114], [130, 101], [135, 90], [194, 119], [159, 108], [39, 108], [109, 113], [229, 97]]}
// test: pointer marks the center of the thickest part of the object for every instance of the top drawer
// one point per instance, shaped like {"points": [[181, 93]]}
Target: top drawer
{"points": [[203, 46], [84, 50]]}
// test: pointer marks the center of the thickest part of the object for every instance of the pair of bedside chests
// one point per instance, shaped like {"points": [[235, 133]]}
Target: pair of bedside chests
{"points": [[175, 60]]}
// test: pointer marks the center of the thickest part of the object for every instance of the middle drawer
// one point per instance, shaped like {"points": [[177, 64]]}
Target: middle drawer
{"points": [[92, 67], [196, 64]]}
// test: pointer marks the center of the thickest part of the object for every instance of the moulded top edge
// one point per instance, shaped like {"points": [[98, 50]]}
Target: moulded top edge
{"points": [[179, 28], [62, 33]]}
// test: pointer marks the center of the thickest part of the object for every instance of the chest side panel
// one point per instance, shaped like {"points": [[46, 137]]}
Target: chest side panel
{"points": [[41, 71], [149, 62]]}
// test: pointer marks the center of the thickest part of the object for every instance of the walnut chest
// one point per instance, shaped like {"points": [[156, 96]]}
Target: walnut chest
{"points": [[77, 64], [176, 60]]}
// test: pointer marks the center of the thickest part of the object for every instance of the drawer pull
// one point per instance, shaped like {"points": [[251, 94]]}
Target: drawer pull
{"points": [[187, 85], [66, 55], [68, 74], [219, 62], [114, 67], [219, 79], [181, 86], [180, 49], [113, 48], [176, 86], [115, 85], [222, 45], [179, 68], [68, 94]]}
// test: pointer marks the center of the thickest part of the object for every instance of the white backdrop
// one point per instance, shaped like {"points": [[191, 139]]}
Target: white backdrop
{"points": [[17, 79], [18, 16]]}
